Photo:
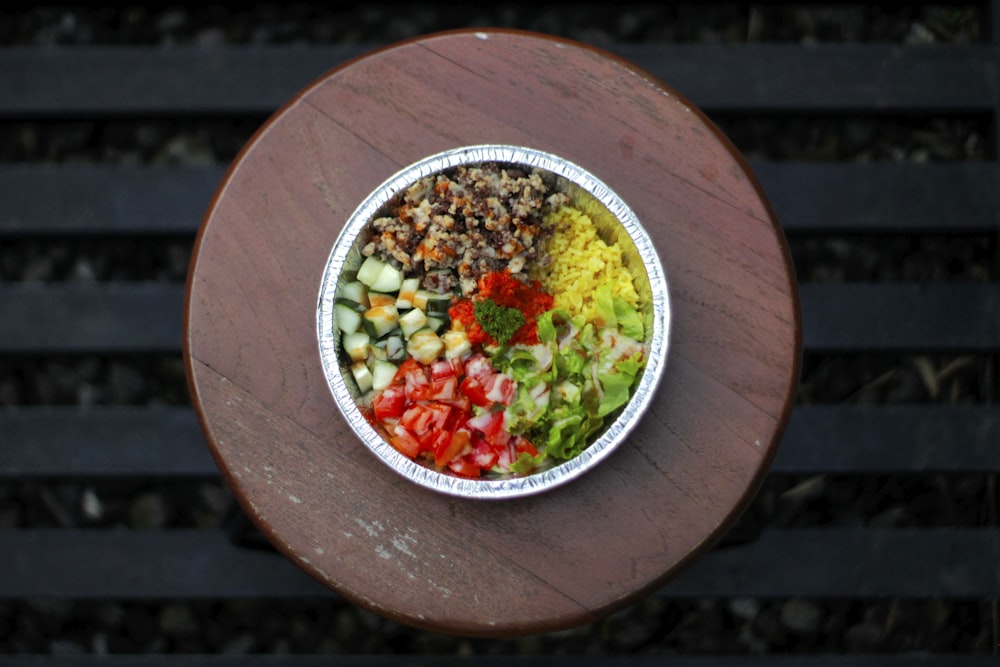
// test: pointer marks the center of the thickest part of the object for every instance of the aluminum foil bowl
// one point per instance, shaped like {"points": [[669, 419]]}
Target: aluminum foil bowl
{"points": [[614, 220]]}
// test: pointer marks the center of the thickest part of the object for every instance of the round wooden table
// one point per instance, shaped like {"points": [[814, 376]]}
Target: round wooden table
{"points": [[480, 567]]}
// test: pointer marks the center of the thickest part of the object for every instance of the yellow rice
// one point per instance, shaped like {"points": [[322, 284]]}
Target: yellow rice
{"points": [[581, 261]]}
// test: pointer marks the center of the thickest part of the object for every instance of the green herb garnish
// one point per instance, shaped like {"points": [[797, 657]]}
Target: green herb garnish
{"points": [[500, 322]]}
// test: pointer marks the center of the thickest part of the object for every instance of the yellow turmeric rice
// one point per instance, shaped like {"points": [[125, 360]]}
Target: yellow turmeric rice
{"points": [[581, 261]]}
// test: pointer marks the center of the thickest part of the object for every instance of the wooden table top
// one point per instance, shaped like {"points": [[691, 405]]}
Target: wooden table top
{"points": [[494, 568]]}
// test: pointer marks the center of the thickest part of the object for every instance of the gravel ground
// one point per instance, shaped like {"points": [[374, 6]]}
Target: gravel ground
{"points": [[655, 625]]}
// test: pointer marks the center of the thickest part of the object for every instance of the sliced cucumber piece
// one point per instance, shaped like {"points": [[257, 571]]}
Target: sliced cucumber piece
{"points": [[421, 298], [412, 321], [407, 292], [370, 270], [362, 375], [347, 318], [425, 346], [375, 353], [438, 304], [354, 292], [390, 279], [357, 345], [376, 299], [381, 320], [353, 305], [437, 324], [395, 347], [456, 344], [383, 374]]}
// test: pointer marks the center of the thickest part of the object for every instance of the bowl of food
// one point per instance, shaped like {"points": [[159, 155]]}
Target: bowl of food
{"points": [[492, 321]]}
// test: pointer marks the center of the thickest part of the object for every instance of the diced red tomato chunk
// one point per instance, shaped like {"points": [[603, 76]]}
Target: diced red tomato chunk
{"points": [[473, 388], [523, 446], [451, 446], [425, 416], [405, 442], [442, 369], [465, 467], [428, 411], [478, 366], [389, 403], [501, 389], [444, 388], [483, 455]]}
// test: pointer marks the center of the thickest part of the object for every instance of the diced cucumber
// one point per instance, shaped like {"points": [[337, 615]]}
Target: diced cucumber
{"points": [[438, 324], [421, 298], [362, 375], [425, 346], [407, 292], [348, 320], [356, 345], [353, 305], [390, 279], [395, 347], [381, 320], [375, 353], [383, 374], [456, 344], [412, 321], [438, 304], [380, 299], [370, 270], [354, 292]]}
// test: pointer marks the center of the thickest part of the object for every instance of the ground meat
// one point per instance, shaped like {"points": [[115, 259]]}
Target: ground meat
{"points": [[456, 226]]}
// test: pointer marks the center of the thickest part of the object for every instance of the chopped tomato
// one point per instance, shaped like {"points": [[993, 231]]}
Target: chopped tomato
{"points": [[444, 388], [478, 366], [405, 442], [428, 411], [483, 455], [523, 446], [473, 388], [461, 403], [501, 389], [451, 446], [465, 467], [442, 369], [425, 416], [407, 367], [389, 403]]}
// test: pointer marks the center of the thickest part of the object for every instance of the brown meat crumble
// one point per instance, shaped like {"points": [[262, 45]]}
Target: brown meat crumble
{"points": [[451, 228]]}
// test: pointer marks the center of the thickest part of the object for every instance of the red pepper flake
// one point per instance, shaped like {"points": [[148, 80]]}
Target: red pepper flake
{"points": [[505, 290]]}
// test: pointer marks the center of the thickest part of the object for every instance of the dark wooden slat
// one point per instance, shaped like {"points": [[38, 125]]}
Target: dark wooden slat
{"points": [[900, 317], [137, 80], [883, 198], [252, 80], [106, 442], [850, 562], [824, 78], [143, 564], [890, 439], [125, 441], [140, 317], [109, 200], [648, 660], [80, 318], [941, 562], [104, 200]]}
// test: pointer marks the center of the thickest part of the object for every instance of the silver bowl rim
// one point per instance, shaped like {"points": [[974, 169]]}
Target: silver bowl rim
{"points": [[613, 435]]}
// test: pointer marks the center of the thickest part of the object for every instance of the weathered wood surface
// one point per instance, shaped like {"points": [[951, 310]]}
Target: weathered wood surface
{"points": [[490, 568]]}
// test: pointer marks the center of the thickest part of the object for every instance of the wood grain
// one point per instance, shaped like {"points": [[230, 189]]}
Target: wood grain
{"points": [[496, 568]]}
